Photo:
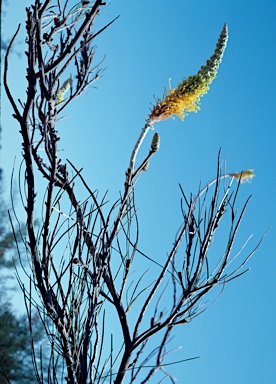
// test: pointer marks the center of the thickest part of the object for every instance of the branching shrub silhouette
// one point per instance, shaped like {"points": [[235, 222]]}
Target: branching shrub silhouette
{"points": [[81, 257]]}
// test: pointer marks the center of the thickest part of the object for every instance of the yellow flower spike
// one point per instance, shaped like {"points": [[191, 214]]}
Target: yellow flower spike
{"points": [[244, 176], [186, 97]]}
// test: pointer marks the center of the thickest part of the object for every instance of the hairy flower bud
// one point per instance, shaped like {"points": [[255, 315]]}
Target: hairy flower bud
{"points": [[63, 89], [155, 143], [145, 167]]}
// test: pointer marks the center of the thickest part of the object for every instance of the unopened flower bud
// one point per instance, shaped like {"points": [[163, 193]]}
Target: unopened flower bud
{"points": [[63, 89], [155, 143], [145, 167]]}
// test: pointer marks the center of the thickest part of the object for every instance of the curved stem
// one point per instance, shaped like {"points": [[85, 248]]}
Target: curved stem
{"points": [[138, 145]]}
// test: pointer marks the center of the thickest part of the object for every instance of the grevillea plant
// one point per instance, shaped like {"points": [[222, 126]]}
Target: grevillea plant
{"points": [[185, 98], [103, 322]]}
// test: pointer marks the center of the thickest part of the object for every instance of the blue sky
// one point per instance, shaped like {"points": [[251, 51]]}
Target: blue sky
{"points": [[151, 42]]}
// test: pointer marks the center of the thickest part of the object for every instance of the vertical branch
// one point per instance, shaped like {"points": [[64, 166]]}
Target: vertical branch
{"points": [[17, 115]]}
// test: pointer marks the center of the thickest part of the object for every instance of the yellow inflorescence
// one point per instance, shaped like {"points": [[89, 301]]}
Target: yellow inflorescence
{"points": [[244, 176], [186, 97]]}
